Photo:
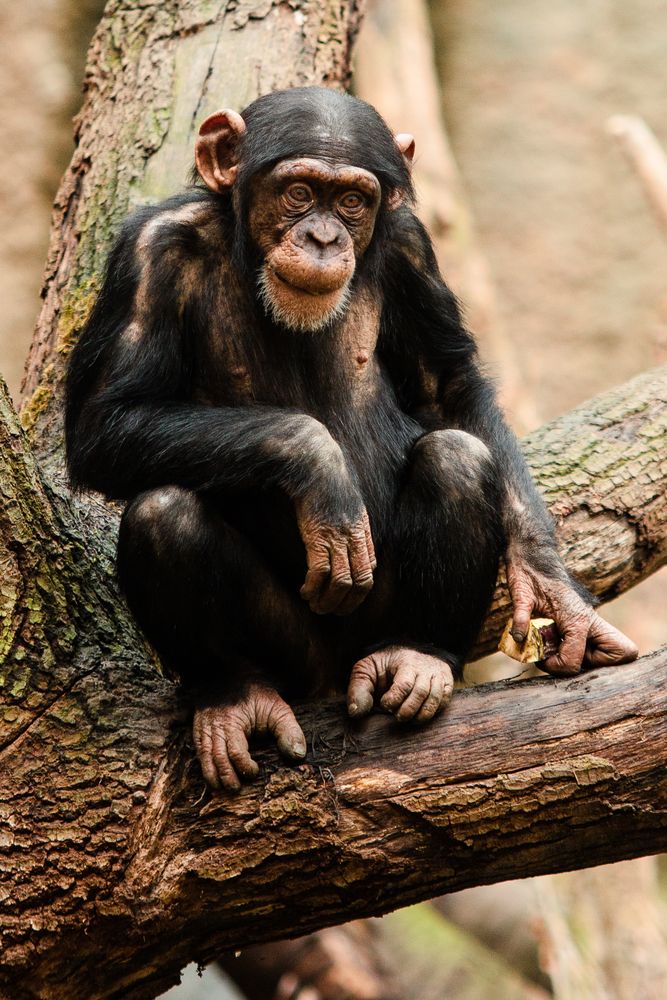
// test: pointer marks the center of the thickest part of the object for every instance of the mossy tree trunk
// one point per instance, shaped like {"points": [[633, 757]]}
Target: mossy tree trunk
{"points": [[117, 866]]}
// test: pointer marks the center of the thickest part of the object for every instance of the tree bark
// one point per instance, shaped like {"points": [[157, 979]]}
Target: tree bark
{"points": [[117, 866]]}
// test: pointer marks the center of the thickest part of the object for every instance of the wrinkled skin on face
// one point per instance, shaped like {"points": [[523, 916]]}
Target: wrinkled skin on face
{"points": [[311, 222]]}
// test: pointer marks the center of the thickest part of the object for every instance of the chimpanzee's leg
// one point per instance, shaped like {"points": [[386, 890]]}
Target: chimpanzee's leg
{"points": [[217, 615], [435, 577]]}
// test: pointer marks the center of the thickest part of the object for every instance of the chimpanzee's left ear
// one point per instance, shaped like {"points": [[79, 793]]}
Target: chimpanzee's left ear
{"points": [[217, 147], [406, 144]]}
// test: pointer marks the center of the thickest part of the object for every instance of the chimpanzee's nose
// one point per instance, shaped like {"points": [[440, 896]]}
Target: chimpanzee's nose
{"points": [[322, 238]]}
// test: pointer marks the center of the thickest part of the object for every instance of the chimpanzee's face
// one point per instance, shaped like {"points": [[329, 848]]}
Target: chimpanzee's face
{"points": [[312, 222]]}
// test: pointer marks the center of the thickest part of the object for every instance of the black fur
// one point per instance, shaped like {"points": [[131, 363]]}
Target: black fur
{"points": [[213, 574]]}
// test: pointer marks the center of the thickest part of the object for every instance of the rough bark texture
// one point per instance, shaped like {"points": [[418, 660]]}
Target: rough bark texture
{"points": [[117, 867]]}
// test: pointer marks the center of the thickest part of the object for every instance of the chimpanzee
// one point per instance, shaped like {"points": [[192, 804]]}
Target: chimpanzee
{"points": [[319, 483]]}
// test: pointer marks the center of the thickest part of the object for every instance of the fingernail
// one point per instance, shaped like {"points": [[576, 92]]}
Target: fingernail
{"points": [[353, 708], [518, 636], [299, 748]]}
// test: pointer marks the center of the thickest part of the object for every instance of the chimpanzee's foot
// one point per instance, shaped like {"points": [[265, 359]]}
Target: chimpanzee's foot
{"points": [[222, 732], [412, 686]]}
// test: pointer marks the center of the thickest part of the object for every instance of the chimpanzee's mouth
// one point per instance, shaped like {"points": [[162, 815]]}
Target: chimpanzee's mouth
{"points": [[295, 287]]}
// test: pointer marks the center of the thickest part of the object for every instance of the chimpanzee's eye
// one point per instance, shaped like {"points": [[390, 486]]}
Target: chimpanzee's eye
{"points": [[352, 203], [298, 195]]}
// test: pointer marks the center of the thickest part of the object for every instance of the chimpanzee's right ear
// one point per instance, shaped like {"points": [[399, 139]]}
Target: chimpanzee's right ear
{"points": [[406, 144], [216, 149]]}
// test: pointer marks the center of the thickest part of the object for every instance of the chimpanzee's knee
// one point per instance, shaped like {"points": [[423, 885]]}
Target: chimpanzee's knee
{"points": [[456, 462], [159, 519]]}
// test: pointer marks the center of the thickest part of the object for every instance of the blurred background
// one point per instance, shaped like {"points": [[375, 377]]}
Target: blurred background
{"points": [[544, 230]]}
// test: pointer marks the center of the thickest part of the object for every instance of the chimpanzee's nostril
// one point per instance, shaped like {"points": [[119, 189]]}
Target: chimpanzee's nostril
{"points": [[324, 239], [322, 236]]}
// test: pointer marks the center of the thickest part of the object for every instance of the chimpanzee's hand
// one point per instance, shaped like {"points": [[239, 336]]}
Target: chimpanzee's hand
{"points": [[221, 734], [412, 686], [340, 557], [587, 639]]}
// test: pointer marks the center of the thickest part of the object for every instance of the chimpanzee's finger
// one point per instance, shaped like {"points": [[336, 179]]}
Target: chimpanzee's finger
{"points": [[239, 753], [521, 614], [361, 564], [567, 661], [403, 682], [360, 690], [339, 584], [362, 577], [433, 702], [286, 730], [316, 580], [442, 688], [201, 735], [607, 646], [414, 701], [370, 547], [226, 773]]}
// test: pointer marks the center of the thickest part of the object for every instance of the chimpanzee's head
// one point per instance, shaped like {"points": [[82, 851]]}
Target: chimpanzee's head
{"points": [[313, 174]]}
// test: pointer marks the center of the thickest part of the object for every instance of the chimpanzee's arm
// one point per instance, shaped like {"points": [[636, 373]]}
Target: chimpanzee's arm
{"points": [[131, 424], [444, 387]]}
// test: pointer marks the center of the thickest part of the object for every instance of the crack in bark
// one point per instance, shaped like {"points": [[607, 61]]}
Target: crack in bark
{"points": [[209, 71], [19, 734]]}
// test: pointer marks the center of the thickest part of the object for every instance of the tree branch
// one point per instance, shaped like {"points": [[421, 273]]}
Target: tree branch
{"points": [[647, 157]]}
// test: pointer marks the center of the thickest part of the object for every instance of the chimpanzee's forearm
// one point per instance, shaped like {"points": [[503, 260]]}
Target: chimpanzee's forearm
{"points": [[468, 401], [122, 451]]}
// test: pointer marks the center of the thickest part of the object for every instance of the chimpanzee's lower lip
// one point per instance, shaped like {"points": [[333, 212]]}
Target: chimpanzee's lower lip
{"points": [[298, 288]]}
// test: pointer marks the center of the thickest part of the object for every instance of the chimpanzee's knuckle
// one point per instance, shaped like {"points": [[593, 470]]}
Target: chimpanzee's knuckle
{"points": [[280, 716], [402, 687], [365, 670], [405, 712]]}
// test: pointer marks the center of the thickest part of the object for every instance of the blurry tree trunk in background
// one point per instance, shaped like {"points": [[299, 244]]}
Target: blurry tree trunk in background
{"points": [[430, 958], [337, 963], [505, 918], [43, 46], [604, 935], [577, 258], [395, 70]]}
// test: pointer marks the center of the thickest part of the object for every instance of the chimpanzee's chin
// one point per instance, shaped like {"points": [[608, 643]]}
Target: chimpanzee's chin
{"points": [[296, 310]]}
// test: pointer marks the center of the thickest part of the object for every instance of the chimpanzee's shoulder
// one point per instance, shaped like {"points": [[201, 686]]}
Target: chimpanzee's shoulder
{"points": [[191, 222]]}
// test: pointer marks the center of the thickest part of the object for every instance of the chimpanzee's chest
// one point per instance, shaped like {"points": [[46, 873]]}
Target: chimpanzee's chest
{"points": [[317, 372], [334, 375]]}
